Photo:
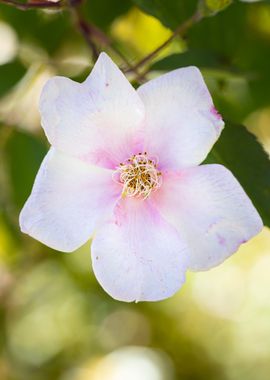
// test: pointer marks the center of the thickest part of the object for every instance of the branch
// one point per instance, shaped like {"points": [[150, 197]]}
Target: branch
{"points": [[91, 32], [103, 39], [86, 33], [38, 5], [180, 31], [84, 29]]}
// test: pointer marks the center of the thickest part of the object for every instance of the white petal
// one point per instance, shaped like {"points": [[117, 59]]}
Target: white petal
{"points": [[68, 199], [181, 122], [99, 120], [211, 209], [137, 255]]}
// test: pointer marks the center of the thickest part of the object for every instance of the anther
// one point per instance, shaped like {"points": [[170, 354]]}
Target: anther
{"points": [[138, 176]]}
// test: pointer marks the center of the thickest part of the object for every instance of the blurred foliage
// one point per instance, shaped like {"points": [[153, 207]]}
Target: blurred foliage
{"points": [[10, 75], [132, 29], [171, 13], [216, 5], [28, 151], [247, 160], [103, 13], [56, 322]]}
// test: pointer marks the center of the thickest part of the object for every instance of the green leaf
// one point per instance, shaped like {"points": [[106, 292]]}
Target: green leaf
{"points": [[103, 12], [235, 34], [240, 37], [239, 151], [214, 6], [170, 12], [24, 154], [10, 74], [197, 57]]}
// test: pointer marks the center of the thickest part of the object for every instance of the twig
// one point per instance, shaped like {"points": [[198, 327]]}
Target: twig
{"points": [[84, 29], [103, 39], [38, 5], [86, 32], [91, 32], [180, 31]]}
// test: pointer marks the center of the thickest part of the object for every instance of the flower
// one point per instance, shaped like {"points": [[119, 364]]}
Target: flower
{"points": [[124, 166]]}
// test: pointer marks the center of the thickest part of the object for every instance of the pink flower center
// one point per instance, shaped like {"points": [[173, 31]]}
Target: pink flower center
{"points": [[139, 176]]}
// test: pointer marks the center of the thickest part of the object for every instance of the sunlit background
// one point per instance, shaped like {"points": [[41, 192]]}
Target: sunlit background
{"points": [[55, 320]]}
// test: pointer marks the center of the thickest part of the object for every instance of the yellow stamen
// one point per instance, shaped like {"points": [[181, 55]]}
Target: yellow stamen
{"points": [[139, 176]]}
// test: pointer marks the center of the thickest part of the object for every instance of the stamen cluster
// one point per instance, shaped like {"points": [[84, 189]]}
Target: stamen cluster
{"points": [[139, 176]]}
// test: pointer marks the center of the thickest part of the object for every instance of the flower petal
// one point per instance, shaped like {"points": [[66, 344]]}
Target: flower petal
{"points": [[181, 122], [68, 199], [99, 120], [211, 210], [137, 255]]}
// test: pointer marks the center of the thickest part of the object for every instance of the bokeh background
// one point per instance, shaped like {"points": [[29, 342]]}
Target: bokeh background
{"points": [[56, 323]]}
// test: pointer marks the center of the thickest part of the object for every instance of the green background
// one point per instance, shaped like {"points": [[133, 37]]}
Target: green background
{"points": [[55, 320]]}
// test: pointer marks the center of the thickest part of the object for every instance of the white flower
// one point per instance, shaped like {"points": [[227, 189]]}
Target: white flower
{"points": [[124, 167]]}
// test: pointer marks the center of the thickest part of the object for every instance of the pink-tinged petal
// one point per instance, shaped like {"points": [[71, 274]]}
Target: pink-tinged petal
{"points": [[137, 256], [181, 123], [68, 199], [212, 211], [99, 120]]}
